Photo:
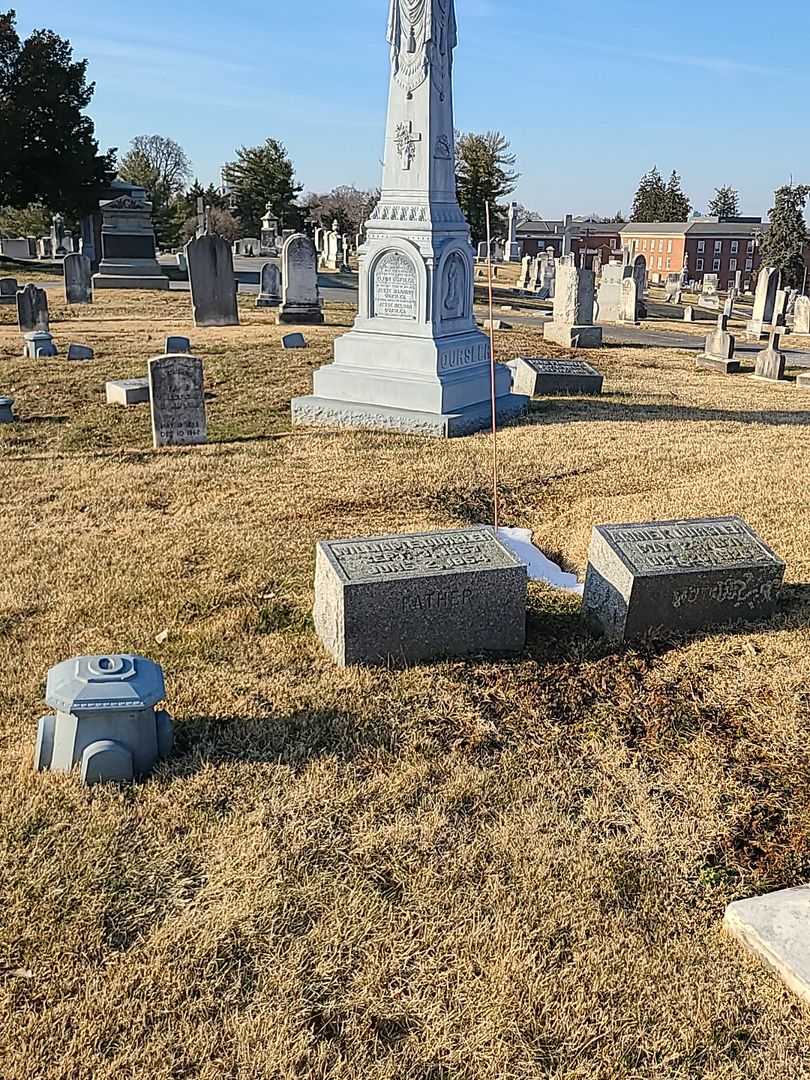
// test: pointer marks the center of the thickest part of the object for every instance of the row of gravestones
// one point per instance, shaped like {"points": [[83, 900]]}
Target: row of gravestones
{"points": [[619, 298], [412, 598], [33, 320], [293, 289]]}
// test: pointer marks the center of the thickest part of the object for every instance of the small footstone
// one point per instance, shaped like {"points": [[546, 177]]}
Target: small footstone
{"points": [[803, 381], [294, 341], [402, 599], [714, 363], [679, 576], [6, 414], [79, 352], [8, 290], [540, 377], [775, 929], [496, 324], [688, 313], [127, 391], [177, 345]]}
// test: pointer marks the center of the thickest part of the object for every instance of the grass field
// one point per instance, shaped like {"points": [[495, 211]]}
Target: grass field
{"points": [[462, 871]]}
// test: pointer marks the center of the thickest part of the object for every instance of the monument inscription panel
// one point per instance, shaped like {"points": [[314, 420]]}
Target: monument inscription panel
{"points": [[407, 598], [178, 401], [395, 287], [679, 576]]}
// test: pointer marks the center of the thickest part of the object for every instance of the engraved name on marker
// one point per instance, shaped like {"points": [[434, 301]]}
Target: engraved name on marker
{"points": [[431, 553], [689, 546], [395, 287]]}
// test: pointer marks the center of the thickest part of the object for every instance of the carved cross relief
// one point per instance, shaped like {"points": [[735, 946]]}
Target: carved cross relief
{"points": [[406, 141]]}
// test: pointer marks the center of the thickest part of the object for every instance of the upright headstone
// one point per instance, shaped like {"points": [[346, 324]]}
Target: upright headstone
{"points": [[629, 306], [640, 276], [269, 232], [525, 271], [572, 325], [801, 315], [78, 279], [58, 235], [300, 298], [415, 360], [6, 410], [708, 294], [672, 287], [128, 253], [213, 285], [720, 345], [512, 245], [771, 361], [537, 277], [32, 310], [8, 290], [768, 284], [609, 295], [269, 286], [331, 254], [728, 307], [177, 396]]}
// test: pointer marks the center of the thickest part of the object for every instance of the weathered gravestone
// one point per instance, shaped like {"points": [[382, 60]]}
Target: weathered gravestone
{"points": [[127, 391], [774, 928], [609, 295], [768, 284], [293, 341], [79, 352], [6, 410], [415, 597], [720, 346], [213, 285], [301, 301], [708, 297], [771, 361], [803, 381], [673, 287], [269, 286], [78, 279], [177, 396], [128, 246], [176, 345], [106, 721], [689, 313], [525, 271], [679, 576], [8, 290], [572, 325], [540, 377], [331, 254], [32, 310], [628, 313]]}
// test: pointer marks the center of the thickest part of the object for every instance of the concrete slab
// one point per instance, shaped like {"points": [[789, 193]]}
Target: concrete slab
{"points": [[776, 929]]}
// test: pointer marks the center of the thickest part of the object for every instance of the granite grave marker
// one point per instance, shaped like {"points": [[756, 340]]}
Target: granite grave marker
{"points": [[177, 397]]}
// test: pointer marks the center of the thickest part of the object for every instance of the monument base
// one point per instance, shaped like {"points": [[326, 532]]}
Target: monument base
{"points": [[116, 281], [573, 337], [298, 315], [713, 363], [328, 412], [261, 302]]}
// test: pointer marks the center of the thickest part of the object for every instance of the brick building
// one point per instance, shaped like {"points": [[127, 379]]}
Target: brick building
{"points": [[572, 236], [703, 246]]}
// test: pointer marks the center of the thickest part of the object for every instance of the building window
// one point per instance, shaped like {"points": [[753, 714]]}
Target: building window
{"points": [[735, 246], [718, 245], [699, 264], [660, 245], [669, 247], [716, 266], [732, 264], [701, 246], [749, 264], [750, 247], [669, 264]]}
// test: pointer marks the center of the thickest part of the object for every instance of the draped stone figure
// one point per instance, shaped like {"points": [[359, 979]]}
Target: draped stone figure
{"points": [[422, 35]]}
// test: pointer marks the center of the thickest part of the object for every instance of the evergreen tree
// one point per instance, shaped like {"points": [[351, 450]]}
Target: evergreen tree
{"points": [[261, 175], [484, 175], [677, 206], [48, 153], [784, 243], [648, 204], [726, 202]]}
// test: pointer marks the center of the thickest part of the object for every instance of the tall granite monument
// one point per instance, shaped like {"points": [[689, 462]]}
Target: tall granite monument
{"points": [[415, 360]]}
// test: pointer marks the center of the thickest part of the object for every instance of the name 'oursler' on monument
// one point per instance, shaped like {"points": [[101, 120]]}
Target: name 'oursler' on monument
{"points": [[415, 360]]}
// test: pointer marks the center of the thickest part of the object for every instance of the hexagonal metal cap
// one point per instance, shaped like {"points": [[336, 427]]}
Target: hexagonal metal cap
{"points": [[88, 683]]}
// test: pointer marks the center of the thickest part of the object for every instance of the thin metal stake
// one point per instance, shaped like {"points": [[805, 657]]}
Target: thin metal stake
{"points": [[495, 502]]}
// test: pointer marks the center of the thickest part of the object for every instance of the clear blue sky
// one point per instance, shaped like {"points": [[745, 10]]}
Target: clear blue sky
{"points": [[591, 94]]}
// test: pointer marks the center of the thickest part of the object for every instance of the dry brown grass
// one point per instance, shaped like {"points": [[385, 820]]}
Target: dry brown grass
{"points": [[471, 870]]}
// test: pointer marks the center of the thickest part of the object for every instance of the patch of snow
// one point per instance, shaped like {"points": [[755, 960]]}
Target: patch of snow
{"points": [[519, 542]]}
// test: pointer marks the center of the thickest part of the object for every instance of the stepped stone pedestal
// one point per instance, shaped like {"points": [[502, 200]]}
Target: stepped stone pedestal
{"points": [[128, 256], [415, 361]]}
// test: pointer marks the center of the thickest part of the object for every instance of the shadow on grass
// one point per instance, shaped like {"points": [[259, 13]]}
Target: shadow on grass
{"points": [[293, 739], [598, 410]]}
